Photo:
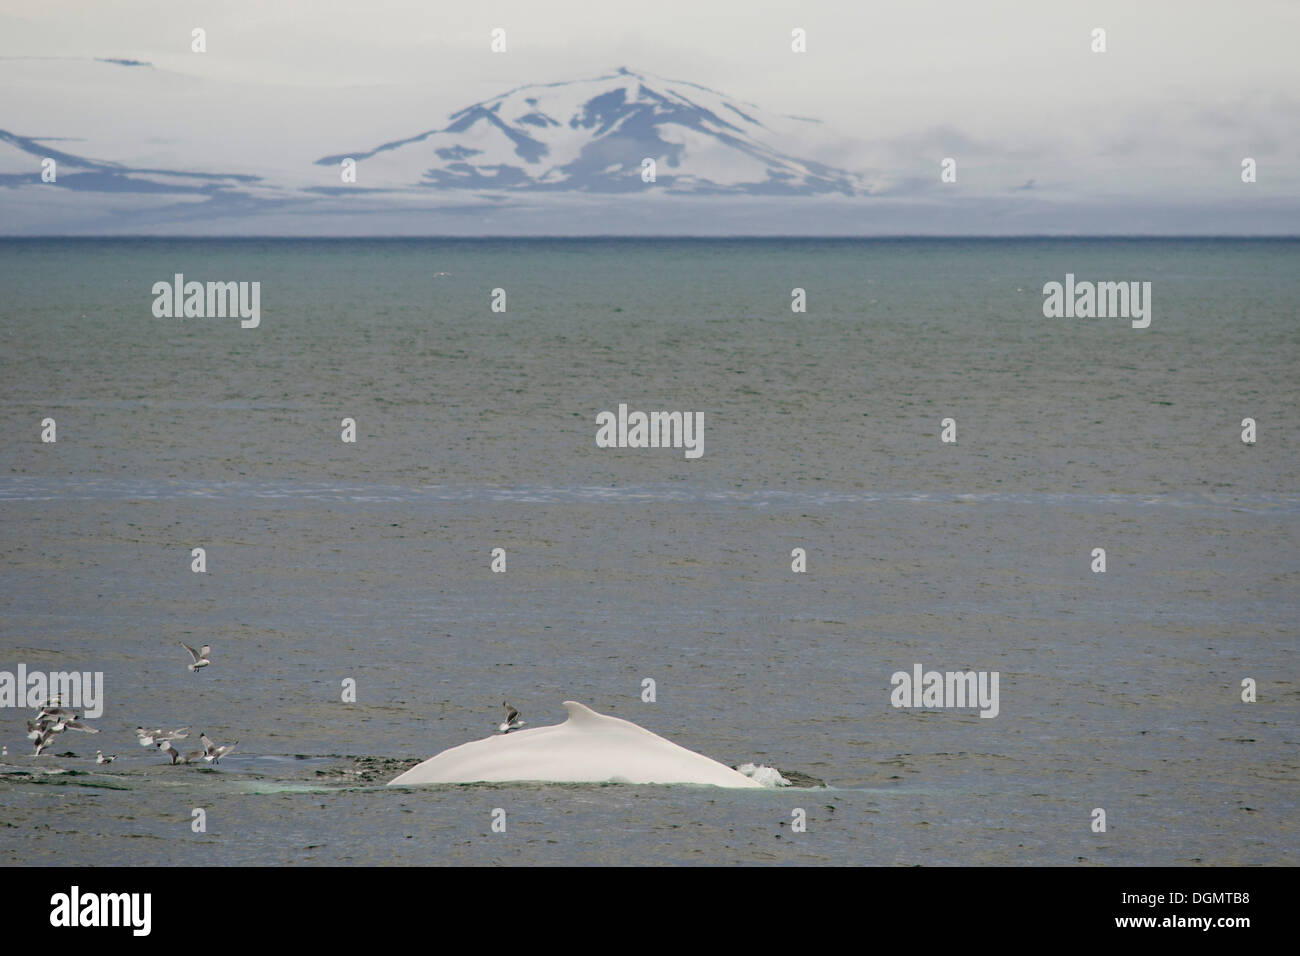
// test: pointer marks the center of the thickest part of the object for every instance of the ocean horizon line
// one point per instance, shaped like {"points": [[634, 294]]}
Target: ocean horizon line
{"points": [[665, 237]]}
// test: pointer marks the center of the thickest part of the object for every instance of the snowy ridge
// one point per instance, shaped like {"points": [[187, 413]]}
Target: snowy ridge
{"points": [[592, 135]]}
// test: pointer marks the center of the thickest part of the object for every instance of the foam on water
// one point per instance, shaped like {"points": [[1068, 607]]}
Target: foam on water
{"points": [[767, 776], [47, 488]]}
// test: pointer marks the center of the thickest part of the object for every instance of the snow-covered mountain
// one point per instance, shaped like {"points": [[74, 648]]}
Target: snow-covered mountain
{"points": [[593, 136], [540, 159]]}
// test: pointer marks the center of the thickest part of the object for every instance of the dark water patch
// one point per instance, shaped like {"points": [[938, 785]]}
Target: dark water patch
{"points": [[804, 780]]}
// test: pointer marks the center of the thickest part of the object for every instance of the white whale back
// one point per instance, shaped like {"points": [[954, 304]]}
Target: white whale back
{"points": [[587, 748]]}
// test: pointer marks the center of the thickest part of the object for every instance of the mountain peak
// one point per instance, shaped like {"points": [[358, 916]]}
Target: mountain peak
{"points": [[620, 132]]}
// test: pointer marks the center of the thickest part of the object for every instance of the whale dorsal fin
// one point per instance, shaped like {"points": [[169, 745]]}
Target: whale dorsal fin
{"points": [[581, 713]]}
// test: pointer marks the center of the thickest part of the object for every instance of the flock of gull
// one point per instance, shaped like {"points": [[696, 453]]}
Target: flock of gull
{"points": [[162, 739], [53, 718]]}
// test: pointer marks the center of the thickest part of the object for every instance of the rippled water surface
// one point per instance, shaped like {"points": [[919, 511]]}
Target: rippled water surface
{"points": [[329, 561]]}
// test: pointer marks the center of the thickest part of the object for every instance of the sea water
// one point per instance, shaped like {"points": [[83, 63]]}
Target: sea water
{"points": [[370, 561]]}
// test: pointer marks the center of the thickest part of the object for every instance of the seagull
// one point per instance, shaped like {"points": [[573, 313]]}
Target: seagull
{"points": [[512, 721], [149, 738], [100, 758], [213, 753], [52, 713], [200, 656], [167, 748], [55, 722]]}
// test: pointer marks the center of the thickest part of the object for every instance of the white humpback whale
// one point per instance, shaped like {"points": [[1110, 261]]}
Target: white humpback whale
{"points": [[587, 748]]}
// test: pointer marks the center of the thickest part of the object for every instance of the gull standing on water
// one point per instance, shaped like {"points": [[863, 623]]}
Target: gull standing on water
{"points": [[200, 656], [100, 758]]}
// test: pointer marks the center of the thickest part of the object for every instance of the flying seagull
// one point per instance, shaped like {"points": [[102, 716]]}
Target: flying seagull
{"points": [[150, 738], [213, 753], [512, 721], [200, 656]]}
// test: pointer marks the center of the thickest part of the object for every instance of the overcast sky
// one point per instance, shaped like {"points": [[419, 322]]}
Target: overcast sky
{"points": [[1011, 89]]}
